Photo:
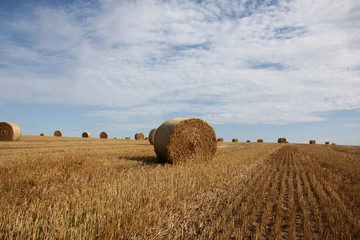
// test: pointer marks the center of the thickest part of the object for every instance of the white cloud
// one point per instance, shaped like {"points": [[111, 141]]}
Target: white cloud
{"points": [[226, 62]]}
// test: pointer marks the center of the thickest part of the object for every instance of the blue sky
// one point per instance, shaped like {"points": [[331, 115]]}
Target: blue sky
{"points": [[252, 69]]}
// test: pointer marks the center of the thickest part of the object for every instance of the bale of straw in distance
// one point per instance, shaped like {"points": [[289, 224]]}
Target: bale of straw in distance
{"points": [[327, 143], [85, 135], [139, 136], [235, 140], [260, 140], [57, 133], [128, 138], [247, 141], [220, 139], [104, 135], [152, 136], [43, 134], [282, 140], [312, 142], [9, 131], [180, 140]]}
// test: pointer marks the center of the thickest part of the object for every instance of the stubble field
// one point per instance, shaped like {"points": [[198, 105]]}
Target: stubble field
{"points": [[73, 188]]}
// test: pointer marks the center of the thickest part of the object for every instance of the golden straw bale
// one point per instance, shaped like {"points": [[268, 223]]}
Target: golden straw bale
{"points": [[57, 133], [247, 141], [128, 138], [312, 142], [235, 140], [327, 143], [180, 140], [152, 136], [260, 140], [139, 136], [104, 135], [282, 140], [85, 135], [9, 131], [220, 139], [43, 134]]}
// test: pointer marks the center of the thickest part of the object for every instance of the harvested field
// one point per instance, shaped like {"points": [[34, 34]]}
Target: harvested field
{"points": [[78, 188]]}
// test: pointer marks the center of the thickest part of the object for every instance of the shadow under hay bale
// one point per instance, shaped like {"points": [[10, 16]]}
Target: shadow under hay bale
{"points": [[9, 131], [146, 160], [180, 140]]}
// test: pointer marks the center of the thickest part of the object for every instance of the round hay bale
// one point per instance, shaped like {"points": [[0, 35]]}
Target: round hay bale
{"points": [[43, 134], [128, 138], [85, 135], [9, 131], [327, 143], [260, 140], [139, 136], [247, 141], [333, 143], [57, 133], [181, 140], [104, 135], [235, 140], [282, 140], [312, 142], [152, 136], [220, 139]]}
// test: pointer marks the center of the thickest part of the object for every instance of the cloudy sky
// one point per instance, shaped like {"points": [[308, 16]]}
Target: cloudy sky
{"points": [[252, 69]]}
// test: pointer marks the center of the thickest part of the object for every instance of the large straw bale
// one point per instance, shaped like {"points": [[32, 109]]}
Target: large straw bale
{"points": [[312, 142], [260, 140], [220, 139], [43, 134], [235, 140], [85, 135], [152, 136], [104, 135], [327, 142], [57, 133], [139, 136], [180, 140], [9, 131], [282, 140], [127, 138]]}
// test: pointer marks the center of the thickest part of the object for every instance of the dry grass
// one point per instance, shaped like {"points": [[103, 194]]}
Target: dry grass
{"points": [[78, 188]]}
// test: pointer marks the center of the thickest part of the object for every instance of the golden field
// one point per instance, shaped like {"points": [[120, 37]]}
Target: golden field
{"points": [[75, 188]]}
